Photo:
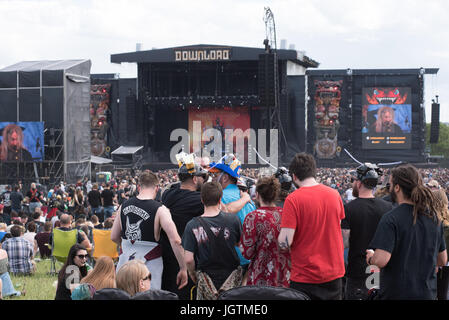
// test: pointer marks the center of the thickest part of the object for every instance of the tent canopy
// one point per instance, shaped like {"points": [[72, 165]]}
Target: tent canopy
{"points": [[126, 150], [99, 160]]}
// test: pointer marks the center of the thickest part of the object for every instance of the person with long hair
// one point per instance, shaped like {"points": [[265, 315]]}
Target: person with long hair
{"points": [[385, 122], [71, 273], [408, 243], [134, 277], [269, 266], [441, 204], [12, 148], [79, 202], [103, 274]]}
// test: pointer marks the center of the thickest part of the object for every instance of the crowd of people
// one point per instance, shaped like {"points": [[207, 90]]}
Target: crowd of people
{"points": [[199, 230]]}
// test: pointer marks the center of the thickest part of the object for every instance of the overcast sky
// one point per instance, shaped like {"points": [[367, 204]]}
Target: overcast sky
{"points": [[339, 34]]}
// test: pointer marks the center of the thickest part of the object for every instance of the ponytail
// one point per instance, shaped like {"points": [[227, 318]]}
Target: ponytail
{"points": [[410, 182]]}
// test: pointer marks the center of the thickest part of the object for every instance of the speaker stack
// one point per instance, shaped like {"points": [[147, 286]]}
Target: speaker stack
{"points": [[435, 123], [266, 79]]}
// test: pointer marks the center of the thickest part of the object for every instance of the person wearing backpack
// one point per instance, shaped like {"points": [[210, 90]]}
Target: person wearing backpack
{"points": [[210, 240]]}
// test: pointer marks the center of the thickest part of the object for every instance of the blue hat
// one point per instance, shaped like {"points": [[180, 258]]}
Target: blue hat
{"points": [[229, 164]]}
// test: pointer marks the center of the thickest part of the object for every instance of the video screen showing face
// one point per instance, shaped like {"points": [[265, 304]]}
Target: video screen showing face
{"points": [[387, 118], [21, 141]]}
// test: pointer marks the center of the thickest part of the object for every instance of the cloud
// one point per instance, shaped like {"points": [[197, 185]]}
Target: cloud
{"points": [[339, 34]]}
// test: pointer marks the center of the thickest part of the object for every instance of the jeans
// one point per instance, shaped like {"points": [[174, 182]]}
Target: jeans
{"points": [[108, 211], [7, 286], [96, 211]]}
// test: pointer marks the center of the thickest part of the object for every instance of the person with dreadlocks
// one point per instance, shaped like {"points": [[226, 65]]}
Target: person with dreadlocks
{"points": [[408, 244]]}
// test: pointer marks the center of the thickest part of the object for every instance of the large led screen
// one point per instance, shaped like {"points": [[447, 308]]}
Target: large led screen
{"points": [[234, 120], [21, 141], [387, 118]]}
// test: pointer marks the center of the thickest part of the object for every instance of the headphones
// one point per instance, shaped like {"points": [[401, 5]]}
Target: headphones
{"points": [[284, 178], [368, 174]]}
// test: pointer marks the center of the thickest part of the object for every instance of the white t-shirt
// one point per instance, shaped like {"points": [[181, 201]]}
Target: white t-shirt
{"points": [[349, 195], [29, 236], [53, 220]]}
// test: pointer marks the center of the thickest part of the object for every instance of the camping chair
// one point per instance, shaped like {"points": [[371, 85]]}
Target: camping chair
{"points": [[62, 242], [103, 245]]}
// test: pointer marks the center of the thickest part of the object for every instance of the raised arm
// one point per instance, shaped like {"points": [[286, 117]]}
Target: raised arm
{"points": [[236, 206]]}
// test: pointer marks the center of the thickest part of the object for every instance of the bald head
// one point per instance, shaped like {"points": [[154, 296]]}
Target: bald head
{"points": [[66, 220]]}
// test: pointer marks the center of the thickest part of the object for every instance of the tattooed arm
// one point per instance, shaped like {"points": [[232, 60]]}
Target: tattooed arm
{"points": [[285, 238]]}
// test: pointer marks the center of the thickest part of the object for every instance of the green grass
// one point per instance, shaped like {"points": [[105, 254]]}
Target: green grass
{"points": [[40, 286]]}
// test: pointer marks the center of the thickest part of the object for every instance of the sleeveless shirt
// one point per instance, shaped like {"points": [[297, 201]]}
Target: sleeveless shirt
{"points": [[137, 219]]}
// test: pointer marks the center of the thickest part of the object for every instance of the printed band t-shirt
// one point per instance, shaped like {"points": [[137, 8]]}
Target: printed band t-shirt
{"points": [[137, 218]]}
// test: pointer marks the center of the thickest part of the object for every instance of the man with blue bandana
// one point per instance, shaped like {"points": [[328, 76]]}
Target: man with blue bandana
{"points": [[226, 172]]}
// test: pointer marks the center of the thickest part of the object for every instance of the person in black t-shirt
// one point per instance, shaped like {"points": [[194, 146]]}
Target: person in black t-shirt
{"points": [[16, 199], [361, 218], [409, 241], [184, 202], [94, 199], [122, 195], [107, 200], [209, 243]]}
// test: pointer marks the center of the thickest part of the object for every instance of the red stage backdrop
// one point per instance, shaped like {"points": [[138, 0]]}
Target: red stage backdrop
{"points": [[220, 119]]}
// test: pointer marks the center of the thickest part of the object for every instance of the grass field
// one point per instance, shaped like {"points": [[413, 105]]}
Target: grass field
{"points": [[40, 286]]}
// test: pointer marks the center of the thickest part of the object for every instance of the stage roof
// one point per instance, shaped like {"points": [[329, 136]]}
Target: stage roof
{"points": [[355, 72], [42, 65], [126, 150], [236, 54]]}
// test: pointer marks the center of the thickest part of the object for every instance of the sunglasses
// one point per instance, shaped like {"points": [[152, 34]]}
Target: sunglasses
{"points": [[82, 256], [148, 277]]}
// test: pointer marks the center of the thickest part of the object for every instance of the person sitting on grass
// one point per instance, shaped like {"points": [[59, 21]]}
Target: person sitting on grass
{"points": [[103, 274], [42, 240], [71, 273], [20, 253], [95, 222], [6, 285], [2, 230], [134, 277]]}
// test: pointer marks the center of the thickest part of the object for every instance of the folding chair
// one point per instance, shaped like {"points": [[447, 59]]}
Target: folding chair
{"points": [[103, 245], [61, 244]]}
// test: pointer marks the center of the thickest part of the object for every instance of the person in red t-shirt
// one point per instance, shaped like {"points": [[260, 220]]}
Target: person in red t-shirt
{"points": [[310, 228]]}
